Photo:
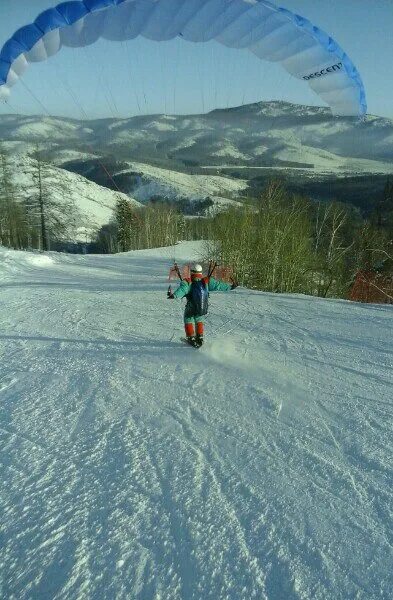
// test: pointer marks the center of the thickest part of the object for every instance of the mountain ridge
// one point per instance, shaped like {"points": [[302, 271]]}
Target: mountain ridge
{"points": [[254, 131]]}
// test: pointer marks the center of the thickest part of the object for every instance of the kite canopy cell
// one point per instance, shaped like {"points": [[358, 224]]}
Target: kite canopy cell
{"points": [[271, 33]]}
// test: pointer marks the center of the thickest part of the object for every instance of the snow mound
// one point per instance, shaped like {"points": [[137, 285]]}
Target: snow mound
{"points": [[40, 261], [13, 262]]}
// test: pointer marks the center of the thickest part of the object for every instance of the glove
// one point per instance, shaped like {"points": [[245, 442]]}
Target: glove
{"points": [[234, 285], [170, 296]]}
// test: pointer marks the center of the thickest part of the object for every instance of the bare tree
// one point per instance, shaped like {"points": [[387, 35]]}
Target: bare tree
{"points": [[50, 207], [13, 221]]}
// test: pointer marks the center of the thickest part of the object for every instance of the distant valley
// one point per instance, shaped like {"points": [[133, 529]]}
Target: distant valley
{"points": [[227, 155]]}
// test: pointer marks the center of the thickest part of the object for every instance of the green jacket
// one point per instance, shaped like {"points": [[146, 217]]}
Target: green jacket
{"points": [[214, 285]]}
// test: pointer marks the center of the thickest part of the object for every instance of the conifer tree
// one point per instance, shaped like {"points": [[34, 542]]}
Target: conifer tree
{"points": [[126, 225], [382, 215]]}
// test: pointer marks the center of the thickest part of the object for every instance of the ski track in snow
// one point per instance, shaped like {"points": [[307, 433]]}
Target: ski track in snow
{"points": [[259, 466]]}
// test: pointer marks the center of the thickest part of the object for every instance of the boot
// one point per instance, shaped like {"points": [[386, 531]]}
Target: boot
{"points": [[192, 341], [199, 340]]}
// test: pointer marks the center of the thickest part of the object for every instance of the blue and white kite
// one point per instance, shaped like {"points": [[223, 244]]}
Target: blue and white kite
{"points": [[271, 33]]}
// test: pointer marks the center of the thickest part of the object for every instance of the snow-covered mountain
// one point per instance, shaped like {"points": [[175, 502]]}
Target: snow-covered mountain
{"points": [[277, 134], [224, 155], [258, 467]]}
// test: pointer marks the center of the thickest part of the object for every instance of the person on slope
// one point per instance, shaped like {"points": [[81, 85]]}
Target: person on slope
{"points": [[196, 290]]}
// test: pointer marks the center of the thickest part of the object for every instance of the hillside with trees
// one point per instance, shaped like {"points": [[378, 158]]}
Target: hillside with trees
{"points": [[280, 242]]}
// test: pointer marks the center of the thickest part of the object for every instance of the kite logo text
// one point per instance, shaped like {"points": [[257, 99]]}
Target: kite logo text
{"points": [[331, 69]]}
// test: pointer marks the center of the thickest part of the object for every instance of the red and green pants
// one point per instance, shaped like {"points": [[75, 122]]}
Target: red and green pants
{"points": [[193, 325]]}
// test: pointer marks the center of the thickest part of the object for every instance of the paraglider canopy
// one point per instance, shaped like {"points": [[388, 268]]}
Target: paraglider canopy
{"points": [[271, 33]]}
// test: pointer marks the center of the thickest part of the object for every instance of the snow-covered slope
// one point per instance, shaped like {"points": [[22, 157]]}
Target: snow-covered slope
{"points": [[133, 466], [140, 181], [173, 184], [82, 205]]}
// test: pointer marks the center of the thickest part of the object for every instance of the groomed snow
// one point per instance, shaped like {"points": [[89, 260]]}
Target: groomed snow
{"points": [[135, 467]]}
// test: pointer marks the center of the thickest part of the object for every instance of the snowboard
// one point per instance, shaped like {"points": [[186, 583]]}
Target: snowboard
{"points": [[185, 341]]}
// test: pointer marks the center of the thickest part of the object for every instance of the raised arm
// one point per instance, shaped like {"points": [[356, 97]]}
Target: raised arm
{"points": [[182, 290], [215, 285]]}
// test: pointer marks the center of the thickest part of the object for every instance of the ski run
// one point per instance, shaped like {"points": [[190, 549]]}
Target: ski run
{"points": [[135, 467]]}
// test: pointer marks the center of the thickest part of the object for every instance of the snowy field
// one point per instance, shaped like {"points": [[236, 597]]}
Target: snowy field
{"points": [[135, 467]]}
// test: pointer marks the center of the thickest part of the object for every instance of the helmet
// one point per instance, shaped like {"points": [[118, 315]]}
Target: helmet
{"points": [[196, 268]]}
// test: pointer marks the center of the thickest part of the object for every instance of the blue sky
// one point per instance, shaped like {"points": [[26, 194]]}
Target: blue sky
{"points": [[141, 76]]}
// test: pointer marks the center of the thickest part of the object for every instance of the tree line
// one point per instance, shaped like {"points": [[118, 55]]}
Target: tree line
{"points": [[286, 243], [279, 242]]}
